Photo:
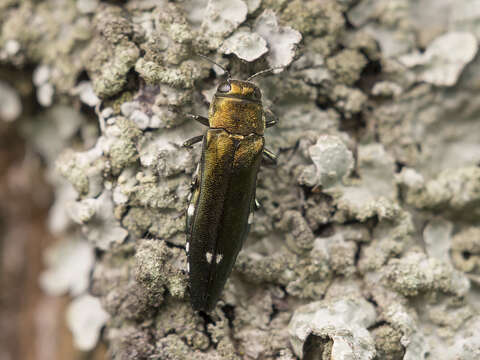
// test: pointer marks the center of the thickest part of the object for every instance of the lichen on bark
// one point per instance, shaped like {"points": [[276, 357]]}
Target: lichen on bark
{"points": [[374, 203]]}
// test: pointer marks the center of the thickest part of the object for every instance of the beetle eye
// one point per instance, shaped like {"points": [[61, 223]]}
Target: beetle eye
{"points": [[224, 88], [257, 93]]}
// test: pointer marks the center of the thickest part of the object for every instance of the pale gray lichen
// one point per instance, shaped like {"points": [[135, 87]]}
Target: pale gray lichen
{"points": [[222, 17], [414, 136], [384, 230], [415, 273], [309, 122], [332, 162], [85, 92], [311, 68], [464, 16], [59, 222], [438, 238], [97, 215], [69, 265], [45, 89], [443, 61], [246, 45], [387, 22], [85, 318], [10, 49], [454, 193], [371, 195], [281, 40]]}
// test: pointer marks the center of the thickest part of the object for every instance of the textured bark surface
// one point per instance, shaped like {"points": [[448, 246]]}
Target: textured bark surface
{"points": [[367, 242]]}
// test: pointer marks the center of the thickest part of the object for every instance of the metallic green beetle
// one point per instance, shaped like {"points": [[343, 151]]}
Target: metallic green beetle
{"points": [[223, 187]]}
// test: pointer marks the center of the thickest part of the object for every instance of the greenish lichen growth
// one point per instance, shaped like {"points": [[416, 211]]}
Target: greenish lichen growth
{"points": [[347, 66], [388, 343], [184, 76], [455, 193], [466, 250], [85, 177], [373, 205], [313, 18], [111, 54], [415, 274], [156, 271]]}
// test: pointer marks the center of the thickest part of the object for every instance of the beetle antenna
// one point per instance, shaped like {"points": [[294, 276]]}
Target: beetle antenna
{"points": [[220, 66], [264, 71]]}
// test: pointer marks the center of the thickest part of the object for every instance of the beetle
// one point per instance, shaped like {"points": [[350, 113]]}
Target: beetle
{"points": [[222, 200]]}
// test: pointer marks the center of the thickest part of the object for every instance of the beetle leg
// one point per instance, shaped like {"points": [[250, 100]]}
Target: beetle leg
{"points": [[273, 119], [202, 120], [269, 157], [196, 139], [270, 123]]}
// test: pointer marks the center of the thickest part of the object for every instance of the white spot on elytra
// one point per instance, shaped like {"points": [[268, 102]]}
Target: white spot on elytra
{"points": [[190, 210], [195, 175], [250, 218], [188, 267], [208, 255], [219, 258], [187, 247], [189, 197]]}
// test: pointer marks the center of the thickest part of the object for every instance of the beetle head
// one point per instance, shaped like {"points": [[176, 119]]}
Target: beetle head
{"points": [[239, 89], [237, 108]]}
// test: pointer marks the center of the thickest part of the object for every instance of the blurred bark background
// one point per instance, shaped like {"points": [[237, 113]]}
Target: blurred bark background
{"points": [[32, 323]]}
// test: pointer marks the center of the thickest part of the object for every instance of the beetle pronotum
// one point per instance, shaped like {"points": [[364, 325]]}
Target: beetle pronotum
{"points": [[223, 187]]}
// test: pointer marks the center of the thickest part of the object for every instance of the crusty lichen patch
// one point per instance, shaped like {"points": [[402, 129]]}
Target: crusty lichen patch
{"points": [[374, 203], [465, 250]]}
